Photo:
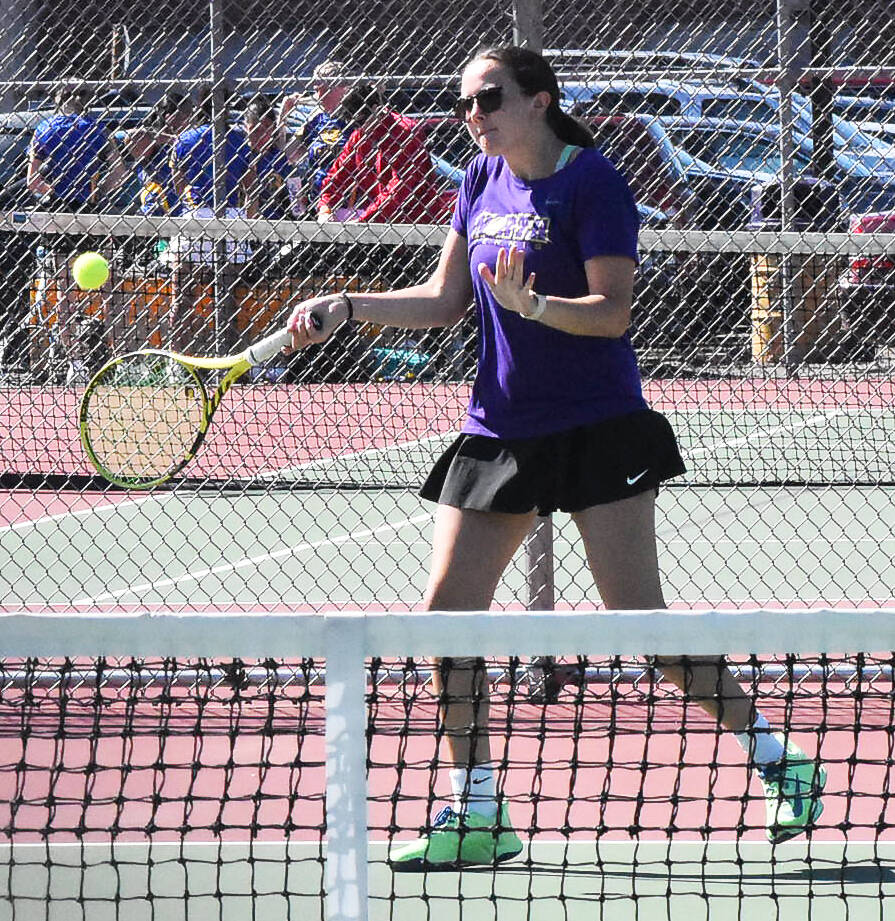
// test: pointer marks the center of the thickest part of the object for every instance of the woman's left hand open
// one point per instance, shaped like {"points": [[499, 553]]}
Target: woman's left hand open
{"points": [[508, 283]]}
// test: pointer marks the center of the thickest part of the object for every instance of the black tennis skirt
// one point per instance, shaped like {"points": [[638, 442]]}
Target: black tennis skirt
{"points": [[567, 471]]}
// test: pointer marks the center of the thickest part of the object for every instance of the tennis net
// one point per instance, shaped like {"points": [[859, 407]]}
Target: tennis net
{"points": [[236, 766]]}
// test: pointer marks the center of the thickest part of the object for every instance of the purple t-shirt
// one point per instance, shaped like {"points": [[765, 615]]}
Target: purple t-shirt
{"points": [[533, 380]]}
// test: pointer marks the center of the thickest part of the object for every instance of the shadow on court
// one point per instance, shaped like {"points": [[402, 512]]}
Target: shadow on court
{"points": [[845, 875]]}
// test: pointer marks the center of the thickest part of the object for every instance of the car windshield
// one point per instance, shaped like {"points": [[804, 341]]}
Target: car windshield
{"points": [[450, 140], [734, 150], [738, 109], [859, 110], [421, 98], [627, 101]]}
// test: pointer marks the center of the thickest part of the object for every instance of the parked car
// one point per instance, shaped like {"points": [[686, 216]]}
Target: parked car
{"points": [[720, 98], [655, 97], [865, 109], [605, 62], [691, 192], [866, 183], [867, 287], [610, 62], [882, 131], [684, 300]]}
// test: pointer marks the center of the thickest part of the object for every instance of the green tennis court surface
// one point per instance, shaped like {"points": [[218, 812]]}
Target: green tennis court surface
{"points": [[360, 549], [369, 547], [553, 881], [386, 435]]}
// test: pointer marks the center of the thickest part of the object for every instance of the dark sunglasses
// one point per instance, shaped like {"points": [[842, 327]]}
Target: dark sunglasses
{"points": [[489, 99]]}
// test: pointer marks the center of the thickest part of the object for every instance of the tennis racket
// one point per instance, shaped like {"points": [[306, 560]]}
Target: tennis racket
{"points": [[145, 415]]}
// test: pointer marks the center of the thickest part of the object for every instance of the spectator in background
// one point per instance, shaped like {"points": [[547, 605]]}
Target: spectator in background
{"points": [[192, 173], [325, 132], [267, 196], [150, 148], [384, 172], [146, 150], [68, 160]]}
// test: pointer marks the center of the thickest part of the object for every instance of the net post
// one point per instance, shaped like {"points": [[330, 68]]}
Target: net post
{"points": [[346, 768]]}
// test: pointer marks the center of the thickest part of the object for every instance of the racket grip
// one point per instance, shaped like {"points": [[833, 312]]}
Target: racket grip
{"points": [[269, 347]]}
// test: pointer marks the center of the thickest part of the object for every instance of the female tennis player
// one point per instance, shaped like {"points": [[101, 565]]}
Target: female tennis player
{"points": [[544, 240]]}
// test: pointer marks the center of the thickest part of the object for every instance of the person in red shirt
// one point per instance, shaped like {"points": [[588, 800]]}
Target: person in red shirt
{"points": [[384, 172]]}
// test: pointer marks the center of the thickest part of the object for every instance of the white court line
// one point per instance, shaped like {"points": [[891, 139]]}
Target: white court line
{"points": [[821, 417], [82, 513], [817, 418], [320, 462], [253, 561], [337, 459], [782, 410], [797, 538], [342, 458]]}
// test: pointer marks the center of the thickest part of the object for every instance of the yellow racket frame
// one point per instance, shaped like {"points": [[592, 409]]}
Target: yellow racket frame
{"points": [[235, 365]]}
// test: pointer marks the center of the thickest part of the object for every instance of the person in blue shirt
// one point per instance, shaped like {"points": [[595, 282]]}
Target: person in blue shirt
{"points": [[267, 194], [68, 163], [150, 148], [192, 163], [146, 152], [67, 154], [324, 134], [192, 169]]}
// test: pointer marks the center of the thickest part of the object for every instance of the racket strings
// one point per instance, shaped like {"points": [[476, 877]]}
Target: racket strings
{"points": [[143, 416]]}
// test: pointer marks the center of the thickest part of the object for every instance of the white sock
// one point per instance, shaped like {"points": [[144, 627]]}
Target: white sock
{"points": [[760, 743], [475, 790]]}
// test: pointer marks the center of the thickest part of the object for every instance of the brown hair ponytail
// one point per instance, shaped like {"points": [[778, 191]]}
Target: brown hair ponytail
{"points": [[534, 75]]}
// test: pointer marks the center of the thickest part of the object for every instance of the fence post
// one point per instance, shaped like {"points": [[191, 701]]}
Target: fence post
{"points": [[528, 30], [15, 36], [793, 48], [219, 105], [528, 24]]}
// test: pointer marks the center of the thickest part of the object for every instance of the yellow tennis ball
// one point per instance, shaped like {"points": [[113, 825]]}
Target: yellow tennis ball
{"points": [[90, 271]]}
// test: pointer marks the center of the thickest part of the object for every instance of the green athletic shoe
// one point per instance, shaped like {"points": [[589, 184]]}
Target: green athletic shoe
{"points": [[459, 841], [792, 789]]}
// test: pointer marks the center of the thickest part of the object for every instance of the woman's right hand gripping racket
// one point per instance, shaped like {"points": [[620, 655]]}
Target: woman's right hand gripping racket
{"points": [[145, 415]]}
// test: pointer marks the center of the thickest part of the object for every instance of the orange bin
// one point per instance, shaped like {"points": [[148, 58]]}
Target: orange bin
{"points": [[817, 326], [135, 308]]}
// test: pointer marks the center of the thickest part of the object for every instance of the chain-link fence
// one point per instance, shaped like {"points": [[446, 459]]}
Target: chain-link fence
{"points": [[208, 151]]}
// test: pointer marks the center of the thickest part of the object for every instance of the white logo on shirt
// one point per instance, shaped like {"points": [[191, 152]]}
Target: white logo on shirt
{"points": [[520, 227]]}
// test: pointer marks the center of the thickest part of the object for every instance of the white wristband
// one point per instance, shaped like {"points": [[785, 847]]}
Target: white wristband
{"points": [[540, 305]]}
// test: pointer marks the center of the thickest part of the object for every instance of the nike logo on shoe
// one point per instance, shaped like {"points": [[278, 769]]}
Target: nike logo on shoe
{"points": [[631, 480]]}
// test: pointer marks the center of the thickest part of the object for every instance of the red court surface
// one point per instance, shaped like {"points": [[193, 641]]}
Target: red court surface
{"points": [[205, 772], [271, 428]]}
